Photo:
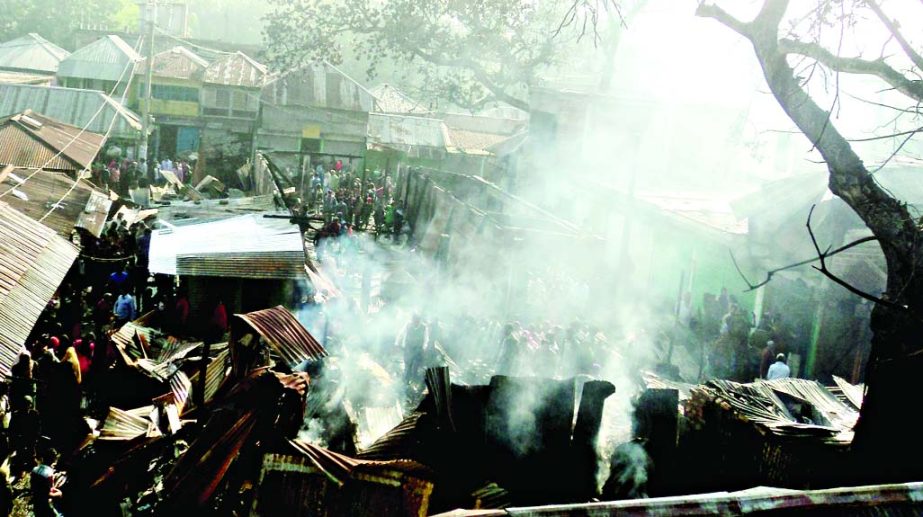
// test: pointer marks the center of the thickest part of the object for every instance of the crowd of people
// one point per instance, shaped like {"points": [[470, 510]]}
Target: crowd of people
{"points": [[735, 346], [124, 175], [350, 202], [65, 373]]}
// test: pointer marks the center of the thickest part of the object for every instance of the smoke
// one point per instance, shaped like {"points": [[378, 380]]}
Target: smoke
{"points": [[534, 296], [313, 432]]}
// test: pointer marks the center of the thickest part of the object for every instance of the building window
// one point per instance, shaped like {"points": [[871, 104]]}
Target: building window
{"points": [[310, 145], [223, 98], [240, 100], [174, 93]]}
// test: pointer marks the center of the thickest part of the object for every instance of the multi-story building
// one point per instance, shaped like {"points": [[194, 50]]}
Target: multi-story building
{"points": [[106, 65], [176, 86]]}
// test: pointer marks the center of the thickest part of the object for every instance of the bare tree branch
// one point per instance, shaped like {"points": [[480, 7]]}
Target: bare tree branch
{"points": [[886, 216], [772, 272], [894, 153], [909, 132], [853, 65], [914, 56], [822, 257], [915, 110], [713, 11]]}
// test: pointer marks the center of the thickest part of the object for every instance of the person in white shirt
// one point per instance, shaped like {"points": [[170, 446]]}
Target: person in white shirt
{"points": [[778, 370]]}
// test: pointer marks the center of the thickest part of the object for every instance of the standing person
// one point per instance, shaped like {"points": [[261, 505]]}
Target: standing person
{"points": [[25, 428], [46, 363], [144, 171], [779, 369], [415, 341], [156, 177], [333, 181], [84, 348], [379, 218], [398, 223], [70, 357], [181, 171], [144, 249], [115, 176], [389, 218], [769, 352], [102, 311], [219, 321], [43, 486], [101, 353], [119, 279], [103, 177], [22, 387], [125, 308], [358, 209], [181, 313], [330, 205]]}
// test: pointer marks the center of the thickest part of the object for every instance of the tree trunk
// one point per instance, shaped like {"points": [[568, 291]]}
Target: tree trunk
{"points": [[885, 439]]}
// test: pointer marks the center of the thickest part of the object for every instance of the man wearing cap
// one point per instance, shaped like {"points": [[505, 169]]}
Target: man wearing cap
{"points": [[779, 370]]}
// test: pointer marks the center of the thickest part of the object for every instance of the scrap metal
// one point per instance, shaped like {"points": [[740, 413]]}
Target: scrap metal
{"points": [[285, 334], [33, 262]]}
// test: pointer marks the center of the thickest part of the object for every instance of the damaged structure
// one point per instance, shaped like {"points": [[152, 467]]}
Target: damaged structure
{"points": [[33, 262]]}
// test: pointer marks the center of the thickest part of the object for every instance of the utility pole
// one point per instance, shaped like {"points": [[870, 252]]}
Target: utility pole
{"points": [[146, 125]]}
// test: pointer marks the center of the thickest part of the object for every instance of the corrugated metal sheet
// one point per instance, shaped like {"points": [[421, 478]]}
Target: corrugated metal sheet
{"points": [[95, 213], [105, 59], [237, 69], [261, 265], [127, 425], [71, 106], [177, 63], [872, 500], [31, 53], [474, 141], [20, 149], [255, 399], [31, 140], [25, 78], [317, 482], [319, 85], [241, 236], [285, 334], [339, 466], [854, 393], [84, 207], [403, 131], [759, 403], [390, 99], [215, 374], [33, 262], [124, 338], [182, 213], [396, 443]]}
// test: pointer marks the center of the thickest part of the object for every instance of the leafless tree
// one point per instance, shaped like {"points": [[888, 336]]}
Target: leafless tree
{"points": [[883, 431]]}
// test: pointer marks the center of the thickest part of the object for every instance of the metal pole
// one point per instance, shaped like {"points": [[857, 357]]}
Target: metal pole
{"points": [[146, 105]]}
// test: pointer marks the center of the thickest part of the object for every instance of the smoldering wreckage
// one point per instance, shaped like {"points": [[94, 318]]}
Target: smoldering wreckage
{"points": [[258, 415], [235, 443], [268, 423]]}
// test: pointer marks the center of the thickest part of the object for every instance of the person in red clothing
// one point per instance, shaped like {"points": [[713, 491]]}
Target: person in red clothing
{"points": [[219, 323], [181, 313], [84, 347]]}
